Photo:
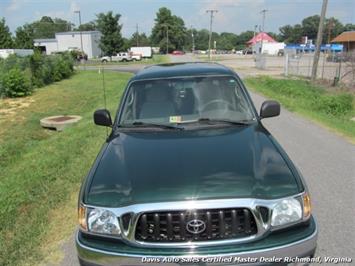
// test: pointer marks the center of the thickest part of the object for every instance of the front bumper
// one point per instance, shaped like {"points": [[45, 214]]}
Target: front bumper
{"points": [[299, 242]]}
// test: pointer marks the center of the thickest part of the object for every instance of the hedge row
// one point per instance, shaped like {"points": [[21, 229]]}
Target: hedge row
{"points": [[20, 75]]}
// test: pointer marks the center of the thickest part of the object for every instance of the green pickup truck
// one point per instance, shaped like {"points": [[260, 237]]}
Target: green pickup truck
{"points": [[188, 174]]}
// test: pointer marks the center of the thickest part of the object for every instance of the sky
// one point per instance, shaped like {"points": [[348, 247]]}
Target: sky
{"points": [[232, 16]]}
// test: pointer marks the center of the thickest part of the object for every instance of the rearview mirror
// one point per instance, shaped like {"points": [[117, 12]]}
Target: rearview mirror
{"points": [[102, 117], [269, 109]]}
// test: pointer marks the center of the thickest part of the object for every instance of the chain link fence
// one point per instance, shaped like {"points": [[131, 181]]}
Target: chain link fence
{"points": [[334, 68]]}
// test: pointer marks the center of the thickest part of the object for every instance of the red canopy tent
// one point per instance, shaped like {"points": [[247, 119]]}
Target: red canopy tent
{"points": [[260, 36]]}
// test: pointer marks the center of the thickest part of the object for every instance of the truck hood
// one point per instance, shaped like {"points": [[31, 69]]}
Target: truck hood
{"points": [[233, 162]]}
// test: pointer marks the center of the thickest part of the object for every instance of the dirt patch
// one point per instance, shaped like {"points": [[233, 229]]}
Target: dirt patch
{"points": [[10, 107]]}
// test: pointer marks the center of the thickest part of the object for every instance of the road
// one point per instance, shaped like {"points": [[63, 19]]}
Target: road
{"points": [[327, 162]]}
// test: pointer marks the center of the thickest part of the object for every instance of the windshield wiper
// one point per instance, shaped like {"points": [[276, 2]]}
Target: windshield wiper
{"points": [[212, 120], [149, 124]]}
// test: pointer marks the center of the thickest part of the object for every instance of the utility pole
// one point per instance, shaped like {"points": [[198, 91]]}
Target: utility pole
{"points": [[331, 25], [211, 11], [193, 39], [319, 40], [167, 37], [255, 27], [263, 29], [137, 35], [264, 15], [81, 34]]}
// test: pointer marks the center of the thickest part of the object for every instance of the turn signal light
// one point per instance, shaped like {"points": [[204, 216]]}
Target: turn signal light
{"points": [[82, 218], [307, 207]]}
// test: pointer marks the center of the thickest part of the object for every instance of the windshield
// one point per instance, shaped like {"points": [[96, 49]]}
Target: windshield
{"points": [[185, 100]]}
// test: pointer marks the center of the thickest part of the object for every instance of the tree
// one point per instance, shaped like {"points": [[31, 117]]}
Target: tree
{"points": [[87, 26], [243, 38], [6, 41], [349, 27], [310, 26], [24, 37], [168, 24], [142, 39], [47, 27], [111, 40], [333, 28], [291, 34], [286, 33], [201, 39]]}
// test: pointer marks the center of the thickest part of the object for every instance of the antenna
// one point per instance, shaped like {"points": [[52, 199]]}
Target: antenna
{"points": [[104, 90]]}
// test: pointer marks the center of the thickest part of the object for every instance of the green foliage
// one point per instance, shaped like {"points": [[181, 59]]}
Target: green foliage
{"points": [[62, 67], [170, 25], [24, 37], [46, 27], [5, 36], [33, 71], [309, 28], [336, 105], [16, 83], [335, 109], [46, 69], [40, 169], [87, 26], [111, 41], [141, 38]]}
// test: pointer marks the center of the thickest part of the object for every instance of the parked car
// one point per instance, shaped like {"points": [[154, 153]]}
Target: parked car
{"points": [[239, 52], [120, 57], [177, 52], [189, 170], [248, 50], [281, 52]]}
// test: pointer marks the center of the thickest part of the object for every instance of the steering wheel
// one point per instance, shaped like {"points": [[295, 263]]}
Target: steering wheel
{"points": [[207, 106]]}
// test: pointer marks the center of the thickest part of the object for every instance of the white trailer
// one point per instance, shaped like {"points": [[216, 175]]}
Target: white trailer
{"points": [[144, 52], [4, 53]]}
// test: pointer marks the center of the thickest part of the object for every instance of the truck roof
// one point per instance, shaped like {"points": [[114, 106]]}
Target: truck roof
{"points": [[182, 70]]}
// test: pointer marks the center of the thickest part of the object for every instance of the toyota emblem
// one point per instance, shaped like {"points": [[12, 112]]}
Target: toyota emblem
{"points": [[195, 226]]}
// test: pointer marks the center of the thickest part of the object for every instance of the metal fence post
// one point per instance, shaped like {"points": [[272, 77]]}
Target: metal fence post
{"points": [[323, 65], [286, 65]]}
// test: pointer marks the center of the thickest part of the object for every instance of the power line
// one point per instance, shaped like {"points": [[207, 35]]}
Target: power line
{"points": [[211, 11]]}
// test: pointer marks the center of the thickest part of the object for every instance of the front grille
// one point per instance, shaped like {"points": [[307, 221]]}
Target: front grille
{"points": [[195, 225]]}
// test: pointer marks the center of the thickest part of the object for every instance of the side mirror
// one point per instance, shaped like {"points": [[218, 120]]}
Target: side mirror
{"points": [[269, 109], [102, 117]]}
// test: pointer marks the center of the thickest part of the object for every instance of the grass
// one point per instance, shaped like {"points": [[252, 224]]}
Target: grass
{"points": [[333, 109], [156, 59], [42, 169]]}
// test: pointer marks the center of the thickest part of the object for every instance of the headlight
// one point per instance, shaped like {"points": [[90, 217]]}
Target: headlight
{"points": [[99, 221], [286, 211]]}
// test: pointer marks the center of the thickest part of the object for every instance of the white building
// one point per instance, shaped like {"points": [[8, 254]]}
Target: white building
{"points": [[4, 53], [71, 40], [270, 48]]}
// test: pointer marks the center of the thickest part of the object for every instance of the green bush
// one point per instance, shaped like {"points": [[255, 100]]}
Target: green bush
{"points": [[336, 105], [18, 75], [62, 66], [16, 83], [46, 69]]}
